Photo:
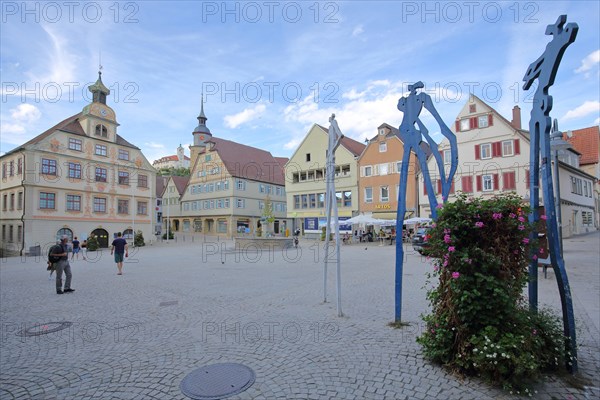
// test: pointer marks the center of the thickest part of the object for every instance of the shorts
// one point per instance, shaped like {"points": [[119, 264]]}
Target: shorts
{"points": [[118, 257], [75, 250]]}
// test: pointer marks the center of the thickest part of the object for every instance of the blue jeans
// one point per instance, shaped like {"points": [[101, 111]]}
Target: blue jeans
{"points": [[63, 265]]}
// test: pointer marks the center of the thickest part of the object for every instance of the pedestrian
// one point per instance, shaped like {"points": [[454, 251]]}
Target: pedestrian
{"points": [[84, 248], [119, 246], [63, 265], [76, 249]]}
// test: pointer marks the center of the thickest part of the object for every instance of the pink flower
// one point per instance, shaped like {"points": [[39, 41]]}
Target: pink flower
{"points": [[455, 275], [541, 250], [439, 206], [544, 217], [525, 240], [497, 215], [445, 264], [433, 225], [515, 251], [451, 249], [447, 238], [534, 332], [521, 227], [479, 224], [512, 215], [436, 268], [433, 331], [534, 257], [468, 261], [522, 219]]}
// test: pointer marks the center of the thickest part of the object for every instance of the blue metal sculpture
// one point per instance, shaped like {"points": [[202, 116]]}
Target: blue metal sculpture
{"points": [[335, 137], [411, 136], [544, 70]]}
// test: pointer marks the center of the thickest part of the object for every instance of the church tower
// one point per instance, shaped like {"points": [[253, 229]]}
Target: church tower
{"points": [[98, 119], [201, 135]]}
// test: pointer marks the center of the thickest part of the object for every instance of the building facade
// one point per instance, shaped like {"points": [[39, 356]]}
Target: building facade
{"points": [[493, 155], [231, 188], [179, 160], [378, 184], [305, 181], [77, 178]]}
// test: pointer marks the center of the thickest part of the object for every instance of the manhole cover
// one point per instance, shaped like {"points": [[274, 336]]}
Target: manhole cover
{"points": [[217, 381], [44, 329]]}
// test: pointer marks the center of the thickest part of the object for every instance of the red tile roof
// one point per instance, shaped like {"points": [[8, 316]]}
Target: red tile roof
{"points": [[249, 162], [354, 147], [587, 142], [180, 183], [161, 183]]}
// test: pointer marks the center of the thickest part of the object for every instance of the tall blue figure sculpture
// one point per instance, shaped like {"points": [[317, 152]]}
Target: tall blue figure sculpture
{"points": [[411, 136], [544, 70]]}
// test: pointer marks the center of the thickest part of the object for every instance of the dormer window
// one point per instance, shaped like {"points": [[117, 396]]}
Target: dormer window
{"points": [[382, 131], [101, 131]]}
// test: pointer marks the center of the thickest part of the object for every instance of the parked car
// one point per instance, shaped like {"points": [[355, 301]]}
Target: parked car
{"points": [[419, 240]]}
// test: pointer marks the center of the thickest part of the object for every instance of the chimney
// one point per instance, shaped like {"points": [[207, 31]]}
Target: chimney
{"points": [[516, 117]]}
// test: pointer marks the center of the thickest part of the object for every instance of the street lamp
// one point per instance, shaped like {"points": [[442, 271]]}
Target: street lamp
{"points": [[557, 143]]}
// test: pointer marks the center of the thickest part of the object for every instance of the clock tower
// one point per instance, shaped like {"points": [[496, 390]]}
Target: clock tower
{"points": [[201, 135], [97, 119]]}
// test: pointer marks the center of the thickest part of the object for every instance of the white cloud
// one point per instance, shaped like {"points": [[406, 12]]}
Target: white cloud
{"points": [[358, 30], [247, 115], [586, 108], [597, 121], [589, 62], [20, 121], [154, 145]]}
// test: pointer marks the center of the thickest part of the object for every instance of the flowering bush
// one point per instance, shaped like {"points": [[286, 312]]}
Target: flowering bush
{"points": [[480, 324]]}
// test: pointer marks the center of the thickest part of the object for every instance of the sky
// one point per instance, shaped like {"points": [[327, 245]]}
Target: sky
{"points": [[271, 69]]}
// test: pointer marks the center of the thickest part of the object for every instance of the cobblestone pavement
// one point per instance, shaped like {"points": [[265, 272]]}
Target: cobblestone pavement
{"points": [[180, 306]]}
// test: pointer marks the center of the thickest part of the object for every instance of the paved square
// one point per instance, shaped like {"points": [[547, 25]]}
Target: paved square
{"points": [[184, 305]]}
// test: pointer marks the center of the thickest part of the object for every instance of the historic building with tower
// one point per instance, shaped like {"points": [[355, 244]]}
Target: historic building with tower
{"points": [[78, 178]]}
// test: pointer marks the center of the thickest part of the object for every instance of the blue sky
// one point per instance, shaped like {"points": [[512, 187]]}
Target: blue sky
{"points": [[270, 70]]}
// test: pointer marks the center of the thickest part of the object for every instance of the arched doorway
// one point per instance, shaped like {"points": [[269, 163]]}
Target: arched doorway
{"points": [[102, 236], [176, 225], [128, 234], [64, 231]]}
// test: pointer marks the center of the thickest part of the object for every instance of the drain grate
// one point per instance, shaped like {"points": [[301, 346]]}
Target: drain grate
{"points": [[217, 381], [44, 329]]}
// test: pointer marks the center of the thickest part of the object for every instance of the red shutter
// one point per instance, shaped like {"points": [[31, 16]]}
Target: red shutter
{"points": [[496, 181], [505, 180], [452, 187], [497, 149], [490, 120], [467, 184], [479, 183], [424, 188], [527, 179], [439, 186], [517, 146], [457, 125], [513, 180], [473, 122], [477, 152]]}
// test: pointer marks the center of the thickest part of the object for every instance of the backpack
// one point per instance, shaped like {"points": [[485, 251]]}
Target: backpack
{"points": [[56, 249]]}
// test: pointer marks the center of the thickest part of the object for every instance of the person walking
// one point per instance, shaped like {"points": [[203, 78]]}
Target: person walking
{"points": [[76, 249], [119, 247], [61, 251]]}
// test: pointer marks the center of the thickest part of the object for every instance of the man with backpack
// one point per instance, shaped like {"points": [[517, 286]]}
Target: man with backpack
{"points": [[59, 257]]}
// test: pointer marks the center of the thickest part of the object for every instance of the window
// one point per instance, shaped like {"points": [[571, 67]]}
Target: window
{"points": [[320, 200], [99, 204], [240, 203], [307, 157], [447, 156], [277, 191], [123, 178], [123, 155], [4, 202], [142, 181], [75, 144], [368, 170], [382, 147], [312, 200], [19, 233], [142, 208], [225, 185], [488, 183], [383, 169], [101, 131], [296, 201], [368, 195], [347, 199], [472, 108], [100, 150], [10, 233], [20, 201], [382, 131], [19, 166], [464, 125], [338, 198], [226, 203], [384, 194], [73, 202], [485, 151], [123, 207], [100, 174], [398, 166], [507, 148], [48, 166], [11, 168], [241, 185], [304, 198], [261, 205], [261, 188], [47, 200], [12, 202], [74, 170], [482, 121]]}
